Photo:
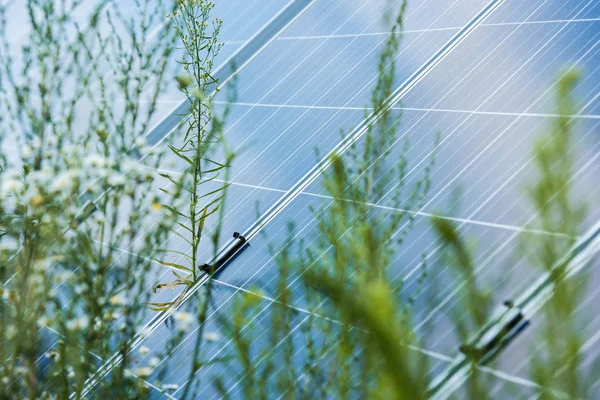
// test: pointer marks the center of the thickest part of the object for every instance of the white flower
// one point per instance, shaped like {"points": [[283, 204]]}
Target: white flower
{"points": [[71, 372], [211, 336], [78, 323], [154, 361], [8, 245], [116, 180], [93, 188], [11, 185], [63, 276], [117, 300], [170, 386], [140, 142], [43, 265], [95, 161], [35, 280], [183, 320], [144, 350], [110, 316], [80, 289], [64, 182], [144, 332], [129, 166], [26, 151], [143, 372]]}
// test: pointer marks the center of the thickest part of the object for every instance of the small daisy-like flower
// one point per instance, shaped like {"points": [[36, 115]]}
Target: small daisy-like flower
{"points": [[12, 185], [143, 372], [63, 276], [211, 336], [116, 180], [64, 182], [43, 265], [95, 161], [26, 151], [117, 300], [154, 361], [110, 316], [36, 200], [156, 206], [144, 350], [170, 386], [144, 332], [183, 320], [80, 289], [77, 324]]}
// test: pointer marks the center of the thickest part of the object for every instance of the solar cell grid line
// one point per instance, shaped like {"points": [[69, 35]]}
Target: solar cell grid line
{"points": [[367, 34], [403, 89], [241, 58], [438, 110], [452, 28], [388, 208], [529, 303]]}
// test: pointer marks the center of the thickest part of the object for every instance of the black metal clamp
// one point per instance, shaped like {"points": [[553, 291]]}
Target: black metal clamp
{"points": [[228, 255], [487, 345]]}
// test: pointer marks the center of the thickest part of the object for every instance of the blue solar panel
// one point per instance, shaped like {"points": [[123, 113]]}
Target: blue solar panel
{"points": [[488, 97], [479, 72]]}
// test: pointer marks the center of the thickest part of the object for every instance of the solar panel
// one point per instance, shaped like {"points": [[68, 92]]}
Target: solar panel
{"points": [[485, 123], [478, 72]]}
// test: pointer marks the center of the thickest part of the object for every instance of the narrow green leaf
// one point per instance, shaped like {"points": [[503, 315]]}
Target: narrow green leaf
{"points": [[173, 265]]}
